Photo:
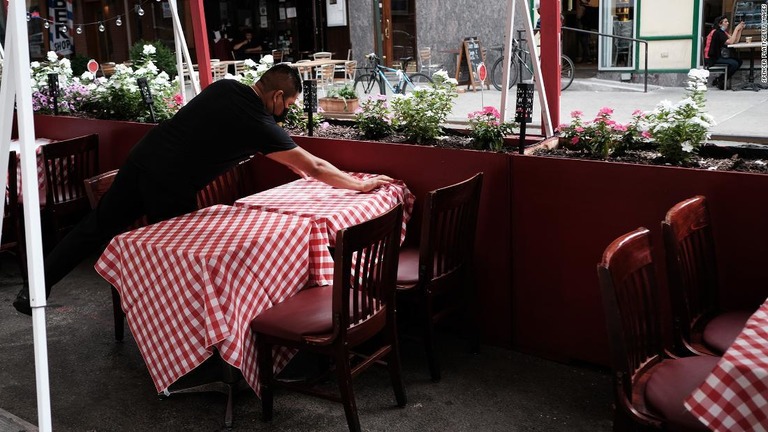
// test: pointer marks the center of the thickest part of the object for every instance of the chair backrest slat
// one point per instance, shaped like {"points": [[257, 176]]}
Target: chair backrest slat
{"points": [[226, 188], [365, 272]]}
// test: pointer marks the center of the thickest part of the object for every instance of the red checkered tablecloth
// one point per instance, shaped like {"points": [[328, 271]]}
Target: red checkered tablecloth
{"points": [[734, 397], [332, 209], [195, 282], [39, 142]]}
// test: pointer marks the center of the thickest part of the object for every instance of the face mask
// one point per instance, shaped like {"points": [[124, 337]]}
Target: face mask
{"points": [[723, 27], [280, 118]]}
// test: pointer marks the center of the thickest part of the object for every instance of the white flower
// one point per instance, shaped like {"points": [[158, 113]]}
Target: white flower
{"points": [[687, 147], [452, 81], [267, 59], [52, 56], [149, 50], [34, 65], [250, 63], [87, 76]]}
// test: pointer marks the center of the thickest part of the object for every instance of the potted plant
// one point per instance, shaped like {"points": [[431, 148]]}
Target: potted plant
{"points": [[339, 100]]}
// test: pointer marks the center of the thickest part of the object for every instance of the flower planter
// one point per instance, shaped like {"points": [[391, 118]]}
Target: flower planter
{"points": [[337, 105]]}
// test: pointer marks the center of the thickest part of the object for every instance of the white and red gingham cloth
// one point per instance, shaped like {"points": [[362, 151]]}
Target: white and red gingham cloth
{"points": [[195, 282], [39, 142], [332, 209], [734, 397]]}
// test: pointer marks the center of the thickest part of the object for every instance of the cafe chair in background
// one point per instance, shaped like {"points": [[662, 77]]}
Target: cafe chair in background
{"points": [[436, 275], [714, 69], [649, 385], [219, 70], [277, 56], [333, 320], [13, 234], [425, 62], [67, 164], [701, 326]]}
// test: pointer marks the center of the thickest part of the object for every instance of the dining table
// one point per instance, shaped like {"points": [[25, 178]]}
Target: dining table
{"points": [[331, 208], [191, 285], [751, 84], [734, 396]]}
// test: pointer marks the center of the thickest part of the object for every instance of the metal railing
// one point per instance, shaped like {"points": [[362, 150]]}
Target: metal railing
{"points": [[642, 41]]}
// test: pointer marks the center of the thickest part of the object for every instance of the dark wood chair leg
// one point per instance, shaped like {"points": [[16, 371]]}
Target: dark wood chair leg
{"points": [[344, 374], [266, 375], [429, 339], [119, 316], [395, 369]]}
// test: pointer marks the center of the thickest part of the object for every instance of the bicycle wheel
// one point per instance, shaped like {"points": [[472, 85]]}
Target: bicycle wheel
{"points": [[364, 84], [417, 80], [567, 70], [497, 74]]}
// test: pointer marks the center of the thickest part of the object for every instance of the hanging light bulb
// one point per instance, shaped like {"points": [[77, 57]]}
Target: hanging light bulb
{"points": [[29, 17], [119, 21], [79, 29], [140, 11], [46, 24], [101, 27], [63, 29]]}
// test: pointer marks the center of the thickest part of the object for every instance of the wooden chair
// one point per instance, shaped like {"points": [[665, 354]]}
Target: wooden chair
{"points": [[436, 274], [701, 326], [240, 67], [67, 164], [650, 386], [322, 55], [304, 71], [350, 70], [325, 76], [333, 320], [425, 62], [13, 233], [226, 188], [95, 187]]}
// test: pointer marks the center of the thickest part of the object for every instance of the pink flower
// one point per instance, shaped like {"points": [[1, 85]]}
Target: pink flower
{"points": [[579, 129], [638, 112], [605, 111], [575, 140], [562, 126], [324, 125], [646, 134], [492, 111], [576, 114], [619, 127]]}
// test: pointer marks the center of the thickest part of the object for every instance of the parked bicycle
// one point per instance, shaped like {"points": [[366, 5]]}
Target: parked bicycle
{"points": [[388, 79], [521, 56]]}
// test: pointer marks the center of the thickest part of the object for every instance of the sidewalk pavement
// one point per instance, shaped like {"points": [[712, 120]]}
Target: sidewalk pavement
{"points": [[740, 115]]}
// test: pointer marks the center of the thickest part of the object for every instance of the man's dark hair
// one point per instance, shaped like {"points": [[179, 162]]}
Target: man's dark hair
{"points": [[282, 77]]}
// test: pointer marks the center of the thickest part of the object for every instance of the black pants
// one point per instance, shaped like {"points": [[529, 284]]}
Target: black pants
{"points": [[134, 193]]}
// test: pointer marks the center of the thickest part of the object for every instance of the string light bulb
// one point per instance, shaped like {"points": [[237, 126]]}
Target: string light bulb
{"points": [[101, 27], [140, 11], [63, 29], [79, 29], [46, 24], [119, 21], [29, 17]]}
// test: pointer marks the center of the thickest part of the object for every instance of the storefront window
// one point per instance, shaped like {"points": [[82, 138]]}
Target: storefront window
{"points": [[617, 18]]}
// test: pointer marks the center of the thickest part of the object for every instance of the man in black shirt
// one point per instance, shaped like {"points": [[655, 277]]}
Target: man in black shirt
{"points": [[225, 124]]}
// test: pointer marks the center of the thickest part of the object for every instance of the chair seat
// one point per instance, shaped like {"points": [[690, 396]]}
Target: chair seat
{"points": [[670, 383], [408, 268], [308, 313], [722, 330]]}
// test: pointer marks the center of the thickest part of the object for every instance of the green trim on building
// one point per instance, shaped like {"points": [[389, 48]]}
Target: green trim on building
{"points": [[696, 32], [665, 38], [692, 37]]}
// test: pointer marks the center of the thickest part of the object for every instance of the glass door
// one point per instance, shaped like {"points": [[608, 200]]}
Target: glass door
{"points": [[617, 18]]}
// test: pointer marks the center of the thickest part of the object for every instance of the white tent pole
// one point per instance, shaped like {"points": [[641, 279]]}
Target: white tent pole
{"points": [[19, 86], [507, 54], [178, 36], [538, 79]]}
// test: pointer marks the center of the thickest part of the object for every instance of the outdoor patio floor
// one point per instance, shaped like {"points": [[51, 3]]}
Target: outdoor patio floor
{"points": [[98, 384]]}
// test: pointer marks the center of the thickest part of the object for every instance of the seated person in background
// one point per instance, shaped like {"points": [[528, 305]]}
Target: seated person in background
{"points": [[247, 48], [718, 39]]}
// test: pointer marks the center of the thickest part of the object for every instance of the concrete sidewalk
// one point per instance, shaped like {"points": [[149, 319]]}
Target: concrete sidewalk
{"points": [[740, 115]]}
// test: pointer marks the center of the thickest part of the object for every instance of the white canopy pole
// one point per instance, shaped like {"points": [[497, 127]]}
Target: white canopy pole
{"points": [[16, 85], [178, 36], [538, 80]]}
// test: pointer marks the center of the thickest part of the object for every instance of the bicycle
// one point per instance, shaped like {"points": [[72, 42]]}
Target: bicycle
{"points": [[521, 57], [378, 75]]}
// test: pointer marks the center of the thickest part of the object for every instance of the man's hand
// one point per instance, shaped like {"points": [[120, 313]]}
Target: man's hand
{"points": [[740, 25], [374, 182]]}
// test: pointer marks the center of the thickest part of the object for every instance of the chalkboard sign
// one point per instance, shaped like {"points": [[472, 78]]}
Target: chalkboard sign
{"points": [[470, 57]]}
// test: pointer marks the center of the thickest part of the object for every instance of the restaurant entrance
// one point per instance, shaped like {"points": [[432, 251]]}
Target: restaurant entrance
{"points": [[395, 37]]}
